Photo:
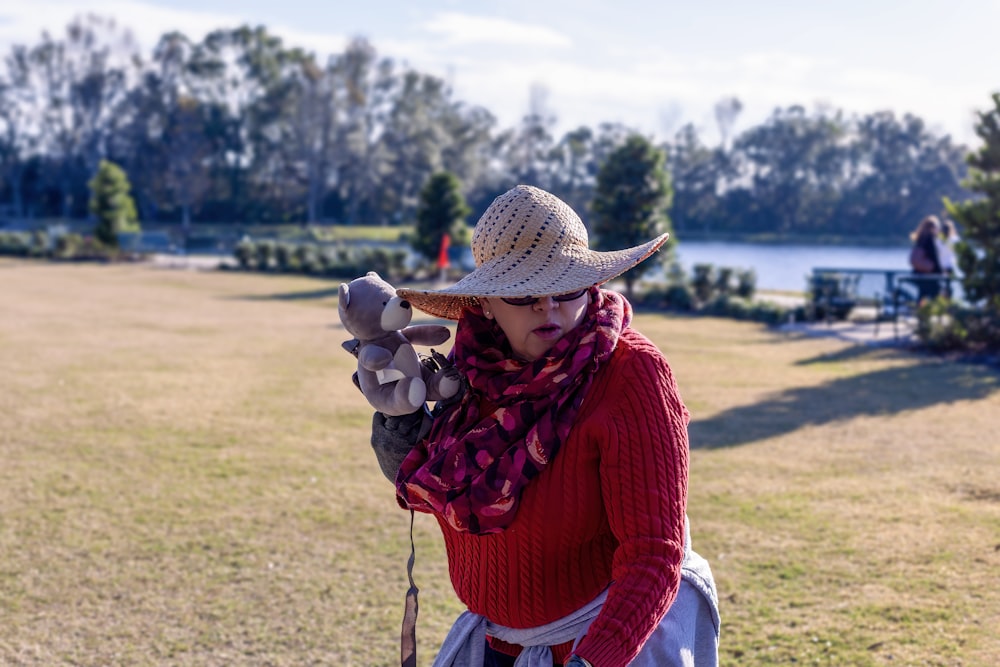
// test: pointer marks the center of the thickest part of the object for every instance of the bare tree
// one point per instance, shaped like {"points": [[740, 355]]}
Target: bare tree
{"points": [[361, 158], [316, 100], [83, 81], [183, 129], [531, 143], [20, 130], [233, 71], [727, 110]]}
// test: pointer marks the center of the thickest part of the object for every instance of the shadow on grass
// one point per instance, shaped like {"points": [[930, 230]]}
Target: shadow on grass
{"points": [[326, 293], [883, 392], [861, 352]]}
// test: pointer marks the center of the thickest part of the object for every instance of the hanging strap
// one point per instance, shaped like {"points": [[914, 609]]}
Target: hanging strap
{"points": [[408, 639]]}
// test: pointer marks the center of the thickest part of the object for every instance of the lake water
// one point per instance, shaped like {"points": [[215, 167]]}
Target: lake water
{"points": [[787, 267]]}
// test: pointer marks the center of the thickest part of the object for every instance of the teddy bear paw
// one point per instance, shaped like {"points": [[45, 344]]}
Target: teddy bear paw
{"points": [[416, 393], [448, 386]]}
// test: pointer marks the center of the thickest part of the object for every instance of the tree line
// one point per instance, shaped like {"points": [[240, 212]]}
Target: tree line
{"points": [[240, 127]]}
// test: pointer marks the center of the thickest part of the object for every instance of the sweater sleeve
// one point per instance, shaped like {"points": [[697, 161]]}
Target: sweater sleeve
{"points": [[644, 473]]}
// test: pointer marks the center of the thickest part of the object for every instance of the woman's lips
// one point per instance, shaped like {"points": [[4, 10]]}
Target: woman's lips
{"points": [[548, 331]]}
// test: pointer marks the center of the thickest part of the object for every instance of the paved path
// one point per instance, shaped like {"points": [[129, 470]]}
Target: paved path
{"points": [[863, 330], [199, 262]]}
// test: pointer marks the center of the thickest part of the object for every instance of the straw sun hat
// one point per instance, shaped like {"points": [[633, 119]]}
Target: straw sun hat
{"points": [[529, 243]]}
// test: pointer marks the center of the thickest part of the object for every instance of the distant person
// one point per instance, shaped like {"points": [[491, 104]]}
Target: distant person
{"points": [[946, 241], [924, 259]]}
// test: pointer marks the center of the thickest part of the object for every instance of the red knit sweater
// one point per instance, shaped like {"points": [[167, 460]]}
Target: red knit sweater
{"points": [[610, 507]]}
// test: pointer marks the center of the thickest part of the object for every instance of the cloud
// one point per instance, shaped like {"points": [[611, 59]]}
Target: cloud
{"points": [[454, 29], [647, 90], [494, 62], [24, 22]]}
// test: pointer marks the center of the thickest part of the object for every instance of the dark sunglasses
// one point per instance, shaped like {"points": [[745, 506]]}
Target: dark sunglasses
{"points": [[532, 300]]}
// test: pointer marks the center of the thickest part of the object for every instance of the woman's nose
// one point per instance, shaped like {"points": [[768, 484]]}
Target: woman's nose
{"points": [[546, 303]]}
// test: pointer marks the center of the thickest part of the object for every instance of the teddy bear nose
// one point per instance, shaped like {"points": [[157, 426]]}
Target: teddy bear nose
{"points": [[405, 304]]}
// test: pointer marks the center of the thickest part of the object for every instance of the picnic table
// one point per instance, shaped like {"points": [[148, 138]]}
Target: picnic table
{"points": [[836, 291]]}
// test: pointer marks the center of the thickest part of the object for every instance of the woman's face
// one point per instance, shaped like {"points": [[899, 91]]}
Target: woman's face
{"points": [[534, 328]]}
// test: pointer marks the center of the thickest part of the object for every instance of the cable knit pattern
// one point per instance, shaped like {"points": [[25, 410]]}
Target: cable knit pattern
{"points": [[609, 508]]}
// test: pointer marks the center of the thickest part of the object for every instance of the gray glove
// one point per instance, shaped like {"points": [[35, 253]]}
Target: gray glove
{"points": [[394, 437]]}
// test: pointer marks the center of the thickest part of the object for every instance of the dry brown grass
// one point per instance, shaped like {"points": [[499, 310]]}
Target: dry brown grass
{"points": [[185, 480]]}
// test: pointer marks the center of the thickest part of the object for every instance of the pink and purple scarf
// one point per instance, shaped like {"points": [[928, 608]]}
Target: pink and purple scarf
{"points": [[482, 451]]}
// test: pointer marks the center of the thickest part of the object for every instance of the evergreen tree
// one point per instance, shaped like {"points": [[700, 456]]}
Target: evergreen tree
{"points": [[442, 210], [979, 218], [111, 204], [631, 200]]}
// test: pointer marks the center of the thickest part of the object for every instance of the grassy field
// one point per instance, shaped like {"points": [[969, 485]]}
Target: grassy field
{"points": [[185, 480]]}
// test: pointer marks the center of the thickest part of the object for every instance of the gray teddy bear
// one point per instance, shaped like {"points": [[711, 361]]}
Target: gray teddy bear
{"points": [[390, 374]]}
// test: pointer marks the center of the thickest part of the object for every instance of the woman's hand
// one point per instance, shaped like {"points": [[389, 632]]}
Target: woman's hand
{"points": [[394, 437]]}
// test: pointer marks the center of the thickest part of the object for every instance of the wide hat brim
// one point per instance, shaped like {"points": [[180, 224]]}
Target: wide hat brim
{"points": [[567, 269]]}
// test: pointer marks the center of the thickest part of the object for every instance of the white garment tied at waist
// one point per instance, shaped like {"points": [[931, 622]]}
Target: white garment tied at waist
{"points": [[466, 641], [465, 645]]}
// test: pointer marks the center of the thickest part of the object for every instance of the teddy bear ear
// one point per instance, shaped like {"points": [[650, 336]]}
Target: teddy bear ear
{"points": [[345, 295]]}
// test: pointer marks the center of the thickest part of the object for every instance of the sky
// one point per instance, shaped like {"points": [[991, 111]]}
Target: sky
{"points": [[651, 65]]}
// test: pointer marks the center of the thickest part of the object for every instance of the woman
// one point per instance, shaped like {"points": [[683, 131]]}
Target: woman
{"points": [[559, 478], [924, 258]]}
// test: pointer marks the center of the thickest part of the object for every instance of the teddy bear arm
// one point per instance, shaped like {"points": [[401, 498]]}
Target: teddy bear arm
{"points": [[426, 334], [395, 398], [374, 357]]}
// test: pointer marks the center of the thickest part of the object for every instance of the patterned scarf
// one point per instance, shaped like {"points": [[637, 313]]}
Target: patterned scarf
{"points": [[473, 466]]}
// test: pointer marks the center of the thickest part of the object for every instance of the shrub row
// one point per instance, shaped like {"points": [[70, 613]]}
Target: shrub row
{"points": [[681, 299], [334, 261], [718, 291], [71, 246]]}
